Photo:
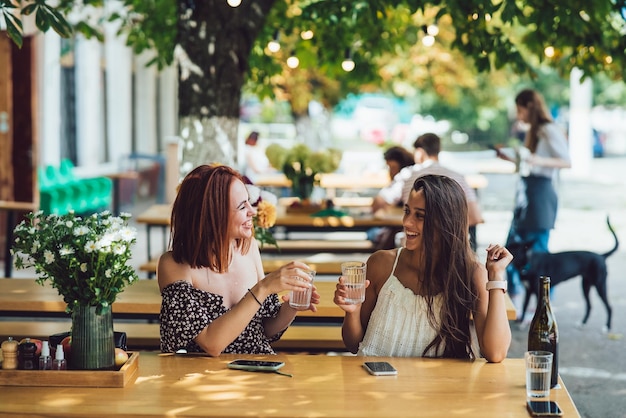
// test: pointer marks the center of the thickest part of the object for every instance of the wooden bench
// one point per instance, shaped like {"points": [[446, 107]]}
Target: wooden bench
{"points": [[146, 336]]}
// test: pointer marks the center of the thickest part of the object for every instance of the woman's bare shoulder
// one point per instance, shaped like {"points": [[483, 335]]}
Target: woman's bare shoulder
{"points": [[169, 271], [380, 263]]}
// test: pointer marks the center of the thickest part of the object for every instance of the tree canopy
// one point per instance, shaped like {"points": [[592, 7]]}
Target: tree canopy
{"points": [[562, 33], [220, 45]]}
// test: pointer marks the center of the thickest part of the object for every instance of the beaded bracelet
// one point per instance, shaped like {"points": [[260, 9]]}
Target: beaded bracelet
{"points": [[255, 298]]}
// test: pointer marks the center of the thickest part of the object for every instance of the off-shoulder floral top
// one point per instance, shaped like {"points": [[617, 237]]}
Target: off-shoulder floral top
{"points": [[186, 311]]}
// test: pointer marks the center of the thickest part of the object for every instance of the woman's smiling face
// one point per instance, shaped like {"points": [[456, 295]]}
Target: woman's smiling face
{"points": [[413, 219], [240, 222]]}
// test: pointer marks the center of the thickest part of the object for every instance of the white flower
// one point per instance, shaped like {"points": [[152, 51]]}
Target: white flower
{"points": [[81, 230], [48, 256], [66, 251], [119, 249], [61, 249], [254, 193], [269, 197], [90, 247], [127, 234]]}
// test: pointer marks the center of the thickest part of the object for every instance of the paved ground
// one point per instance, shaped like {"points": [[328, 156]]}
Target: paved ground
{"points": [[592, 363]]}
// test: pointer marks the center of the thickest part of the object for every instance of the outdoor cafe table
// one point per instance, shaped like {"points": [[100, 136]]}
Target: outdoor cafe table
{"points": [[322, 386]]}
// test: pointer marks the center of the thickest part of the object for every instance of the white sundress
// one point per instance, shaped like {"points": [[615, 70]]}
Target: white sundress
{"points": [[399, 325]]}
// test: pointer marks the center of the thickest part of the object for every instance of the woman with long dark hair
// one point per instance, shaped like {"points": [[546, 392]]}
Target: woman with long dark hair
{"points": [[544, 153], [424, 298]]}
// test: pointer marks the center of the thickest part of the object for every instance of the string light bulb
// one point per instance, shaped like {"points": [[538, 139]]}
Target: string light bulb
{"points": [[348, 63], [274, 45], [306, 35], [293, 61], [234, 3]]}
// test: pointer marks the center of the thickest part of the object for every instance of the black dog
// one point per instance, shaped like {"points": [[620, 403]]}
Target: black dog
{"points": [[561, 267]]}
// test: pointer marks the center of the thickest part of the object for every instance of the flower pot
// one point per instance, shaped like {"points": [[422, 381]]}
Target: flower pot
{"points": [[302, 187], [93, 345]]}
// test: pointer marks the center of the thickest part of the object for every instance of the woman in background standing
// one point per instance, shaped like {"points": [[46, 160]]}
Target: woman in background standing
{"points": [[544, 152]]}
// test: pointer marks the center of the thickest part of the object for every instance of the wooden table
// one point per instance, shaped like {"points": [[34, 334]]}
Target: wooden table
{"points": [[321, 386], [12, 208], [333, 181]]}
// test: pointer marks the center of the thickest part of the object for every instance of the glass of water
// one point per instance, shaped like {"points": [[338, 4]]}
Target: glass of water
{"points": [[538, 369], [354, 273], [302, 299]]}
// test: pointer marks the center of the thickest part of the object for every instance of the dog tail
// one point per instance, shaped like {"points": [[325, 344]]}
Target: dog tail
{"points": [[608, 254]]}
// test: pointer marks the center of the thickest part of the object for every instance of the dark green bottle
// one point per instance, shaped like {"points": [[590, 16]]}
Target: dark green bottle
{"points": [[543, 333]]}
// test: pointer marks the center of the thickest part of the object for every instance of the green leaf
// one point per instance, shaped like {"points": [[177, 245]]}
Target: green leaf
{"points": [[42, 19], [14, 29]]}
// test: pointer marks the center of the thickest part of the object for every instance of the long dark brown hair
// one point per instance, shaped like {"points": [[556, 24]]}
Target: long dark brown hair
{"points": [[449, 263], [200, 219], [537, 115]]}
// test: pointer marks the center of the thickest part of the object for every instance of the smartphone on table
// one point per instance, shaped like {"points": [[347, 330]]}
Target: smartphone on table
{"points": [[380, 368], [544, 409], [256, 365]]}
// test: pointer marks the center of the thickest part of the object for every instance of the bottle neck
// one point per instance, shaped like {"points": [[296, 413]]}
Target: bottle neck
{"points": [[545, 292]]}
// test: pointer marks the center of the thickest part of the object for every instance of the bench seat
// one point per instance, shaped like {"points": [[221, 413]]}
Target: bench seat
{"points": [[146, 336]]}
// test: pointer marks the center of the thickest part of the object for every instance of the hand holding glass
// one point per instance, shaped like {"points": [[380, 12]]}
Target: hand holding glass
{"points": [[301, 299], [354, 273]]}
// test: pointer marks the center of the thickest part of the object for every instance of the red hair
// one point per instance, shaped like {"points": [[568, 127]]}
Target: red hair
{"points": [[200, 218]]}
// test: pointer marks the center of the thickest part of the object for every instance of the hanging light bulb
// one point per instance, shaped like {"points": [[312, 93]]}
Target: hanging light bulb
{"points": [[429, 35], [293, 61], [233, 3], [306, 34], [348, 63], [274, 45], [432, 30]]}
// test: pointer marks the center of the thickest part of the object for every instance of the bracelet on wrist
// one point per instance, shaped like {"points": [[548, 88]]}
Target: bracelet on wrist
{"points": [[497, 284], [255, 298]]}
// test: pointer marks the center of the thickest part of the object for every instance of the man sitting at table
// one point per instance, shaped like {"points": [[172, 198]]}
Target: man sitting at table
{"points": [[426, 154], [397, 158], [420, 298]]}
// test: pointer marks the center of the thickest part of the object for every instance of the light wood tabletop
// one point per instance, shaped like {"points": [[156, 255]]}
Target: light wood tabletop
{"points": [[142, 299], [321, 386]]}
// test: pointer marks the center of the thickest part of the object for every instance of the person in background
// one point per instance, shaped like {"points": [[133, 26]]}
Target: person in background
{"points": [[426, 157], [396, 158], [544, 152], [420, 299], [215, 295], [256, 162]]}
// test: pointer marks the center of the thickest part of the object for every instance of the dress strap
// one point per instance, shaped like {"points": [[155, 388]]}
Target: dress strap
{"points": [[395, 263]]}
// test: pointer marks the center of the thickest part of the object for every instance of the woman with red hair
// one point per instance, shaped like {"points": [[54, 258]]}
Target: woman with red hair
{"points": [[216, 297]]}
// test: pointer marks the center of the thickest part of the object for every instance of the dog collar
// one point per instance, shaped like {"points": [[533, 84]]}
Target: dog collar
{"points": [[497, 284]]}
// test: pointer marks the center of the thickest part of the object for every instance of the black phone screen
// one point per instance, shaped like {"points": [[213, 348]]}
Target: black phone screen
{"points": [[379, 368], [544, 409], [256, 365]]}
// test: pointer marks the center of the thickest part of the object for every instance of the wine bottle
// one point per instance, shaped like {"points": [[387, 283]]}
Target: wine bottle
{"points": [[543, 333]]}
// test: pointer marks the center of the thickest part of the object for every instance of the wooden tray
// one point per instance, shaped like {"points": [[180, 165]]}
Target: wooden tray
{"points": [[82, 378]]}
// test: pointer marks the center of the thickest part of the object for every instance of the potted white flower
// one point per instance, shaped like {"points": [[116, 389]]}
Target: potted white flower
{"points": [[85, 259]]}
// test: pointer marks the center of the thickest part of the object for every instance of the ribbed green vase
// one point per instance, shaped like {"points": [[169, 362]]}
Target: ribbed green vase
{"points": [[93, 345]]}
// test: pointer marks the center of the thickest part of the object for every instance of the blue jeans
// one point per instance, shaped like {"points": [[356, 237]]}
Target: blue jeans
{"points": [[540, 239]]}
